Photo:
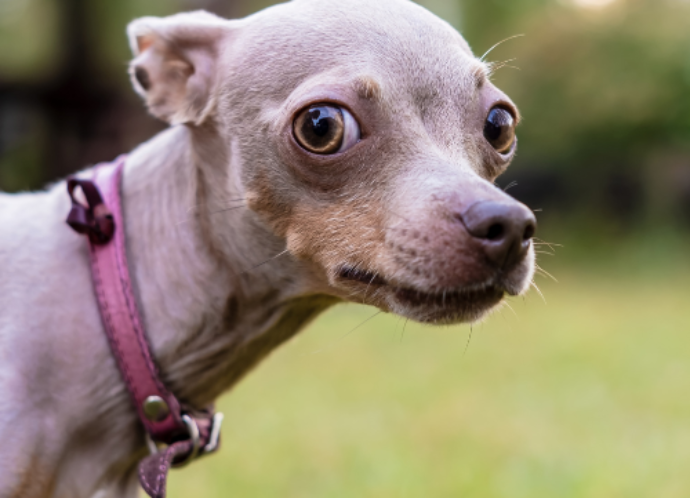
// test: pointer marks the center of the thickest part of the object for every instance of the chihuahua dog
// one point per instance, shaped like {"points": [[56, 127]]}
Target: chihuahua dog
{"points": [[319, 151]]}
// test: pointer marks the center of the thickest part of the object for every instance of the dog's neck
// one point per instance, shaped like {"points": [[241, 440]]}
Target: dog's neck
{"points": [[211, 309]]}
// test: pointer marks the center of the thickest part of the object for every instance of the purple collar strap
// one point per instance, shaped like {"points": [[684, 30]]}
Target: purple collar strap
{"points": [[175, 434]]}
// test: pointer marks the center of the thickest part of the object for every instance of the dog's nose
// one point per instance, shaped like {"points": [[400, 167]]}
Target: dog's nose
{"points": [[505, 230]]}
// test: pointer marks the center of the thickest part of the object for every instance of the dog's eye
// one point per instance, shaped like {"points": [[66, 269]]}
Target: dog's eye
{"points": [[326, 129], [499, 129]]}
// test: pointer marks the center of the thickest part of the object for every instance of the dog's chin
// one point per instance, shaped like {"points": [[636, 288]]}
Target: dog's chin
{"points": [[450, 306]]}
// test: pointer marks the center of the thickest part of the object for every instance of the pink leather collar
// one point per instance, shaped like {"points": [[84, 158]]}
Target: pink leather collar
{"points": [[175, 434]]}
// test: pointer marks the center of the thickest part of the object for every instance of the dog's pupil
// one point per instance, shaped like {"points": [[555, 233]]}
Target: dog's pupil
{"points": [[321, 125]]}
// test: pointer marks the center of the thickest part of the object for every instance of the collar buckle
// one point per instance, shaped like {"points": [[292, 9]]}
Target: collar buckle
{"points": [[211, 441]]}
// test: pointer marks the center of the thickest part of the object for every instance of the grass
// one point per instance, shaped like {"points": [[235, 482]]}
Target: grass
{"points": [[587, 395]]}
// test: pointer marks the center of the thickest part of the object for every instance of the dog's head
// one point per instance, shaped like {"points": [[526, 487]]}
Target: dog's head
{"points": [[368, 138]]}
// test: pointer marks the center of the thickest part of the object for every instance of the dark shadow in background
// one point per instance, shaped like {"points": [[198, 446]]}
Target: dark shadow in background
{"points": [[76, 117]]}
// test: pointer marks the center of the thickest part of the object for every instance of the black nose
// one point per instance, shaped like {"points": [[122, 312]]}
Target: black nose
{"points": [[505, 230]]}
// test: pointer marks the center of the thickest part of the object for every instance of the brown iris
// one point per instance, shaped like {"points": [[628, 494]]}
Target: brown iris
{"points": [[499, 129], [320, 129]]}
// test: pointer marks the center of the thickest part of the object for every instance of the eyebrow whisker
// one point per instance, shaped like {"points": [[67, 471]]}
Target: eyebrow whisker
{"points": [[486, 54]]}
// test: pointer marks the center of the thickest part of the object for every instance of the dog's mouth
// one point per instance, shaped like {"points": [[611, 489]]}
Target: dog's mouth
{"points": [[446, 306]]}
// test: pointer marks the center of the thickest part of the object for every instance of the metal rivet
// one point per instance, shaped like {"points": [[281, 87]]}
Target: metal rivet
{"points": [[155, 408]]}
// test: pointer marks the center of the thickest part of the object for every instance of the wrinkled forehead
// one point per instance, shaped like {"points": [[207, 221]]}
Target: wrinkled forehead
{"points": [[397, 39]]}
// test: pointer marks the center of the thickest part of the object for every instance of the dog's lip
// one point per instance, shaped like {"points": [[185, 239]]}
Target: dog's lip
{"points": [[485, 294], [483, 297], [361, 276]]}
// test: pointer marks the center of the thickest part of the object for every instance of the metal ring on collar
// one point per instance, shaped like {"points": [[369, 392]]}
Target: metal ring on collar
{"points": [[214, 438], [193, 430]]}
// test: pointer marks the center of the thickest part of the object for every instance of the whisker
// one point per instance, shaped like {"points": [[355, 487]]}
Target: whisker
{"points": [[227, 209], [536, 287], [397, 324], [375, 274], [265, 262], [340, 339], [542, 271], [542, 242], [193, 208], [501, 63], [402, 335], [494, 68], [469, 339], [510, 185], [486, 54], [507, 304]]}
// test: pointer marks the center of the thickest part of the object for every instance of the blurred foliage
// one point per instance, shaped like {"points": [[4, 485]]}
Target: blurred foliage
{"points": [[603, 86], [599, 89], [29, 39]]}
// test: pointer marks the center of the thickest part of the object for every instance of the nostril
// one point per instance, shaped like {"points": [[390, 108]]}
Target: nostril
{"points": [[495, 231], [529, 232]]}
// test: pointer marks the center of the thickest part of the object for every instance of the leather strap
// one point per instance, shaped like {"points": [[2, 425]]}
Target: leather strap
{"points": [[94, 220], [162, 415]]}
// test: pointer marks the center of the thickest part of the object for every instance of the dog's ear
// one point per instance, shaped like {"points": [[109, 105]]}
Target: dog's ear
{"points": [[174, 65]]}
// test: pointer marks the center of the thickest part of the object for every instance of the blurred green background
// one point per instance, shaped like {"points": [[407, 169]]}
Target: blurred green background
{"points": [[584, 392]]}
